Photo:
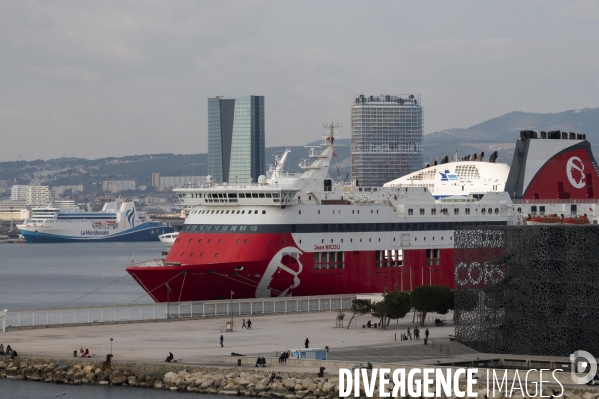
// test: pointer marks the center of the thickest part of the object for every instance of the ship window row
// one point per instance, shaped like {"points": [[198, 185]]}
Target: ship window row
{"points": [[86, 217], [228, 195], [456, 211], [389, 258], [226, 212], [336, 228], [329, 260], [220, 227]]}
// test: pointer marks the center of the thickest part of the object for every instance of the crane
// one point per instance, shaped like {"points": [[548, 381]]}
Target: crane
{"points": [[338, 172], [98, 185]]}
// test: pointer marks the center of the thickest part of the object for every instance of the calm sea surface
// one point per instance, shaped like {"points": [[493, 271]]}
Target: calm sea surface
{"points": [[44, 275], [34, 389], [52, 275]]}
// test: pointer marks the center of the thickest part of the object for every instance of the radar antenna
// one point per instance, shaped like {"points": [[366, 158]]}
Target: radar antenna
{"points": [[331, 126]]}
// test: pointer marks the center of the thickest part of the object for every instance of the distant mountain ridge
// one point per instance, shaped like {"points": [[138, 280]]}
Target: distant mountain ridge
{"points": [[497, 134], [500, 134]]}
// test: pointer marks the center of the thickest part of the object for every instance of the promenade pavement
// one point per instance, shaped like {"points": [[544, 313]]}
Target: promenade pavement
{"points": [[196, 342]]}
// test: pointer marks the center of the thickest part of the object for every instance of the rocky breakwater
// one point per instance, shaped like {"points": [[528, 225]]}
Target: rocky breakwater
{"points": [[212, 380]]}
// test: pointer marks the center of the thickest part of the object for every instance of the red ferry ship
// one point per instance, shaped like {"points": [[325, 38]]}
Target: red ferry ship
{"points": [[305, 234]]}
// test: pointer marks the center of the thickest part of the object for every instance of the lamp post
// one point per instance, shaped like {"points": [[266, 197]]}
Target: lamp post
{"points": [[232, 311], [168, 291]]}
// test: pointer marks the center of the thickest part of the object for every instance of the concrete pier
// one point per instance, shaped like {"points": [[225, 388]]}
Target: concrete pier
{"points": [[196, 342]]}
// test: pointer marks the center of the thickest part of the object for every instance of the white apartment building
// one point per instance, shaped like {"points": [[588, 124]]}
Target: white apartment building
{"points": [[118, 185], [18, 193], [32, 195], [38, 195], [176, 181], [74, 189]]}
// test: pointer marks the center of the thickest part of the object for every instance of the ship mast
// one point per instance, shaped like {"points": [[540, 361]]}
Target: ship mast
{"points": [[331, 126]]}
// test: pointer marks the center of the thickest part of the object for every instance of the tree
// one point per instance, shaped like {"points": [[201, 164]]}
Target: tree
{"points": [[395, 305], [359, 307], [431, 298]]}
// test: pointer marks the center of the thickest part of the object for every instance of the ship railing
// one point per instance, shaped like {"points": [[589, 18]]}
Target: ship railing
{"points": [[150, 263], [128, 313], [556, 201]]}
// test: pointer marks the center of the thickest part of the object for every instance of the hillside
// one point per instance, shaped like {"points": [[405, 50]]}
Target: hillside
{"points": [[499, 134]]}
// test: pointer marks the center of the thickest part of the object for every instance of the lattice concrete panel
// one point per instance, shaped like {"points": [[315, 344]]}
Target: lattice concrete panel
{"points": [[530, 290]]}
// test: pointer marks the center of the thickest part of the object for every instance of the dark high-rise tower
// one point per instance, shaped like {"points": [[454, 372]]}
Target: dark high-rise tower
{"points": [[236, 139]]}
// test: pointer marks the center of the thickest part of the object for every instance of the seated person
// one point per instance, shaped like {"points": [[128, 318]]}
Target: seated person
{"points": [[594, 380], [272, 377], [8, 350], [170, 357], [279, 376], [1, 347], [13, 354], [369, 324], [81, 351], [258, 361], [85, 353]]}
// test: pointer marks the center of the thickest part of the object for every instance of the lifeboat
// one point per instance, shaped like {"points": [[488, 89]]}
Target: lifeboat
{"points": [[581, 219], [543, 220], [111, 222], [97, 223]]}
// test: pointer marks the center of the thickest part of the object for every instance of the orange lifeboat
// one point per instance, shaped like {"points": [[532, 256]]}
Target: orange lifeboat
{"points": [[97, 223], [543, 220], [581, 219], [111, 222]]}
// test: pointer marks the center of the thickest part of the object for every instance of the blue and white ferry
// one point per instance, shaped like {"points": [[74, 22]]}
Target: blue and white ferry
{"points": [[117, 221]]}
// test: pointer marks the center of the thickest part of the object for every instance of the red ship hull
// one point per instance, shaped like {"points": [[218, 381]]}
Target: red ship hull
{"points": [[260, 268]]}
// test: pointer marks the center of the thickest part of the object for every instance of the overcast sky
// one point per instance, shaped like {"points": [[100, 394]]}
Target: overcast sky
{"points": [[113, 78]]}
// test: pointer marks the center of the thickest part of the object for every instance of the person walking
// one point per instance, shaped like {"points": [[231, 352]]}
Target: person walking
{"points": [[416, 333], [307, 343], [221, 341], [426, 334], [243, 325], [409, 333], [249, 325]]}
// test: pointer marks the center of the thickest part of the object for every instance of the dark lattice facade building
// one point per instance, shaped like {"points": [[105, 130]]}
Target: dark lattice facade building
{"points": [[530, 290]]}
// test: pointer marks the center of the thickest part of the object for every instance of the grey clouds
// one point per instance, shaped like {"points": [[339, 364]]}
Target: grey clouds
{"points": [[113, 78]]}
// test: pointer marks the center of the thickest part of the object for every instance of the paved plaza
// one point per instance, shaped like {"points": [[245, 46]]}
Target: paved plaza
{"points": [[197, 341]]}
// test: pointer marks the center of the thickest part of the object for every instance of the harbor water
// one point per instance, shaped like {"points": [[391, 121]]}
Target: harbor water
{"points": [[32, 389], [54, 275]]}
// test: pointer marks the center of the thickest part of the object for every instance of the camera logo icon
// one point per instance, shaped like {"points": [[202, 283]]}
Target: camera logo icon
{"points": [[582, 361]]}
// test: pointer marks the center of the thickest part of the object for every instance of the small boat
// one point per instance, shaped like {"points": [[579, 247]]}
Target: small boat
{"points": [[168, 239], [111, 222], [543, 220], [97, 223], [581, 219]]}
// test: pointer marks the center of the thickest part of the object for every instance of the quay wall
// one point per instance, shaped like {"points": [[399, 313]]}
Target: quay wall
{"points": [[200, 379]]}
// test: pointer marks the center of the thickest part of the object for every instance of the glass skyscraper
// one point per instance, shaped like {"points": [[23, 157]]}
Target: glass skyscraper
{"points": [[386, 135], [236, 139]]}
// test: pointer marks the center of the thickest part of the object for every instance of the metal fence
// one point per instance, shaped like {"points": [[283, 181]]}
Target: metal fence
{"points": [[57, 317]]}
